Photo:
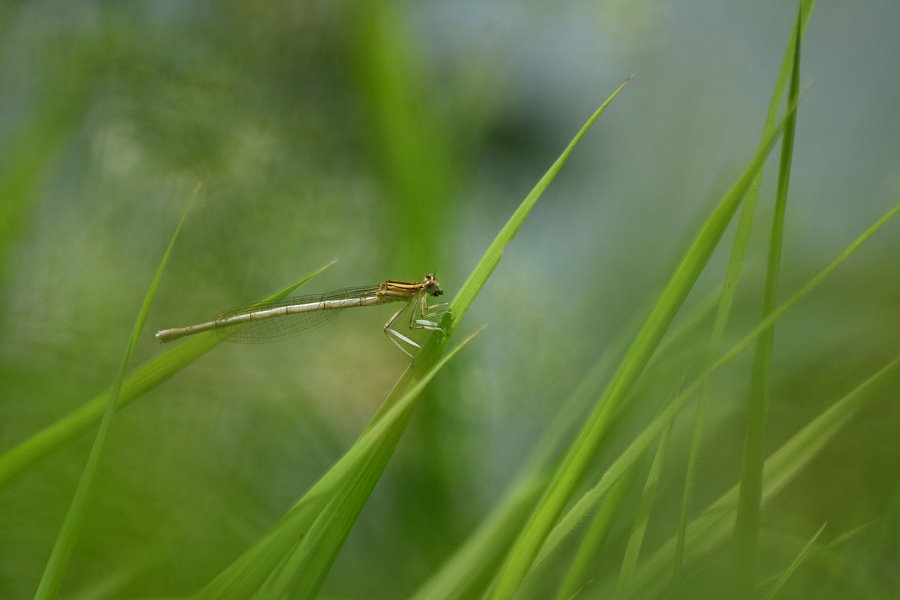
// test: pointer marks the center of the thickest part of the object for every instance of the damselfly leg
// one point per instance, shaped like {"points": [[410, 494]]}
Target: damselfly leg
{"points": [[428, 316], [395, 336], [422, 316]]}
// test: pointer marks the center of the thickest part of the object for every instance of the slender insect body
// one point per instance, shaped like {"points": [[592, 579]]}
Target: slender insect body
{"points": [[267, 321]]}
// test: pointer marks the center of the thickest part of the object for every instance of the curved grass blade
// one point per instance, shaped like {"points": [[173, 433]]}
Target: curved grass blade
{"points": [[429, 356], [639, 445], [243, 578], [470, 568], [460, 304], [71, 527], [491, 257], [770, 595], [713, 526], [730, 284], [584, 561], [21, 457], [636, 539], [478, 277], [568, 476], [325, 555]]}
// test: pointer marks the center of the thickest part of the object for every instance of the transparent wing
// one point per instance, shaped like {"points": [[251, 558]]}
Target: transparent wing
{"points": [[276, 328]]}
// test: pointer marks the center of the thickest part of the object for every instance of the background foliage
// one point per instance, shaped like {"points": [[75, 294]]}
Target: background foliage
{"points": [[398, 137]]}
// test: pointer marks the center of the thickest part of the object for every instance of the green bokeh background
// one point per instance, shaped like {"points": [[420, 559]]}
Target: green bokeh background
{"points": [[397, 137]]}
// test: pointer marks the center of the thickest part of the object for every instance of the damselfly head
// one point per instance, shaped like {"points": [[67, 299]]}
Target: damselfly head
{"points": [[432, 286]]}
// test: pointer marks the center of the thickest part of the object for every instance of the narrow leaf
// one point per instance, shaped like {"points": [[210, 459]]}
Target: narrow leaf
{"points": [[585, 559], [747, 527], [729, 287], [243, 578], [21, 457], [639, 444], [801, 557], [491, 257], [469, 569], [328, 528], [71, 527], [636, 539], [583, 449], [714, 524]]}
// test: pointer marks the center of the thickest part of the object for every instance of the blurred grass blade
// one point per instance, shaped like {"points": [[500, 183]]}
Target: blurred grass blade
{"points": [[583, 449], [331, 530], [411, 142], [730, 283], [244, 578], [803, 291], [627, 460], [28, 157], [470, 567], [584, 563], [747, 526], [794, 565], [642, 441], [18, 459], [816, 550], [636, 539], [714, 525], [71, 527], [470, 289]]}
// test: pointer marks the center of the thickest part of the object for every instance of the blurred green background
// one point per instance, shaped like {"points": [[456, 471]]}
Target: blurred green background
{"points": [[397, 137]]}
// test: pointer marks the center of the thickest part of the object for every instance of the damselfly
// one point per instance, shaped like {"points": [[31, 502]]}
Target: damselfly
{"points": [[267, 321]]}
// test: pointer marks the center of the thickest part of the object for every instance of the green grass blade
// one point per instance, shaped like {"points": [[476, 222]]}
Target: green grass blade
{"points": [[816, 551], [803, 291], [626, 461], [639, 444], [584, 561], [21, 457], [569, 475], [801, 557], [713, 526], [470, 289], [730, 284], [71, 527], [472, 565], [747, 527], [468, 292], [636, 539], [244, 578], [411, 144], [267, 555], [470, 568]]}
